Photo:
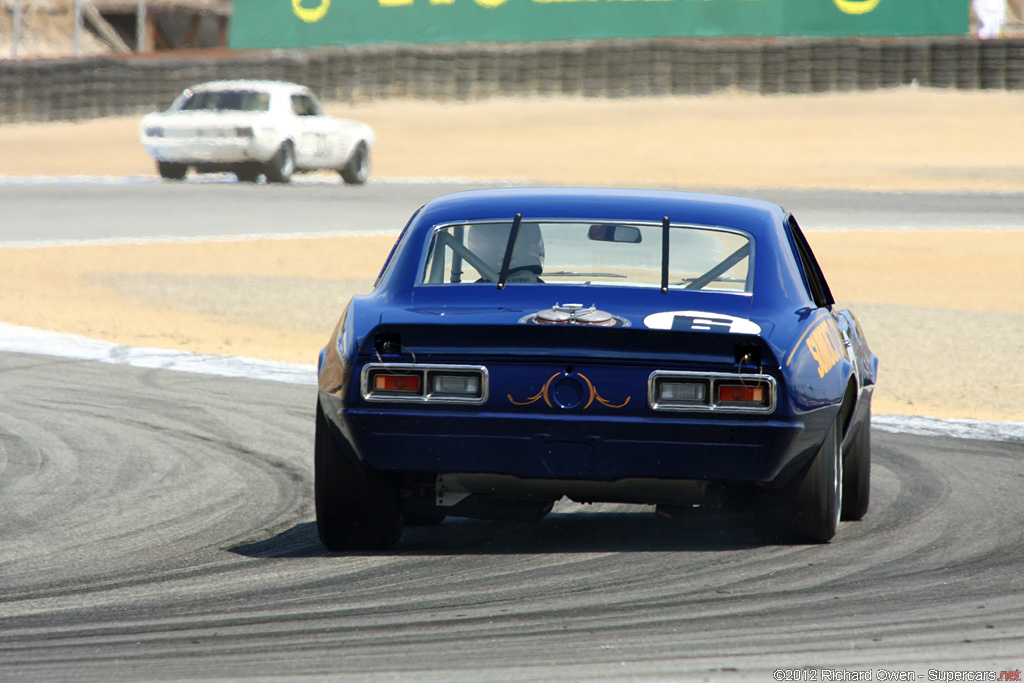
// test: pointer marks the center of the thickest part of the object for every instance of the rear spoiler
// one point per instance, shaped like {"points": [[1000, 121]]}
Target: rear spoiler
{"points": [[446, 342]]}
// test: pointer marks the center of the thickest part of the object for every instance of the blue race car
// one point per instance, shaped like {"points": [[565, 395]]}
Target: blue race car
{"points": [[646, 347]]}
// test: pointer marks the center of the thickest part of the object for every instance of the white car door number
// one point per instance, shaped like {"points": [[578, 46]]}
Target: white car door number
{"points": [[317, 145]]}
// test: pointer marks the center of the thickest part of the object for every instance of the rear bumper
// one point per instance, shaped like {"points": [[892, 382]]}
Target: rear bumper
{"points": [[207, 151], [572, 448]]}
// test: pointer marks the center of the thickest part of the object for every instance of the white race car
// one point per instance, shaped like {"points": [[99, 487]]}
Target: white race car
{"points": [[252, 128]]}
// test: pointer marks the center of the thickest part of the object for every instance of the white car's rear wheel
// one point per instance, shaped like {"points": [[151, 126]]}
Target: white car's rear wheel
{"points": [[247, 174], [357, 169], [282, 165], [171, 171]]}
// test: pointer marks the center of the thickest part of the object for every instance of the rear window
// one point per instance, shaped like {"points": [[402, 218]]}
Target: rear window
{"points": [[226, 100], [599, 254]]}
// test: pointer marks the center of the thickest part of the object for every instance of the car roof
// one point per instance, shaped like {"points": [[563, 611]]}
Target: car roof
{"points": [[760, 218], [765, 222], [247, 84]]}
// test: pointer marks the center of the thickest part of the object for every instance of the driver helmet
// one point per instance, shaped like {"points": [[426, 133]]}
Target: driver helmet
{"points": [[489, 240]]}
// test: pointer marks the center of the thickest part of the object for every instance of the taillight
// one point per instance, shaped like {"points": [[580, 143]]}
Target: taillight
{"points": [[682, 393], [739, 393], [409, 382], [399, 384], [454, 385], [690, 391]]}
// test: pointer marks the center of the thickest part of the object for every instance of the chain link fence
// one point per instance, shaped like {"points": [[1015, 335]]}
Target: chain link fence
{"points": [[86, 88]]}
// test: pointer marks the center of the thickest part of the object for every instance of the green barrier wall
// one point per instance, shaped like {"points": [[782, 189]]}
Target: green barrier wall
{"points": [[305, 23]]}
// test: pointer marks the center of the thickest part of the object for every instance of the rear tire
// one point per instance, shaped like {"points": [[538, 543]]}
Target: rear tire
{"points": [[808, 508], [247, 174], [282, 165], [357, 169], [857, 474], [171, 171], [355, 509]]}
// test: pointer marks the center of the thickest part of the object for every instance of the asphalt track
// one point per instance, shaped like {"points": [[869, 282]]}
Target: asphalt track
{"points": [[91, 208], [157, 525]]}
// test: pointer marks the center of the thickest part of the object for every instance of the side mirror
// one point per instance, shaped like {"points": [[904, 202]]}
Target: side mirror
{"points": [[627, 234]]}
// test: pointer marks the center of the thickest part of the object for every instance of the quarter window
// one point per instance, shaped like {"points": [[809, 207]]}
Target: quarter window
{"points": [[819, 290], [303, 105]]}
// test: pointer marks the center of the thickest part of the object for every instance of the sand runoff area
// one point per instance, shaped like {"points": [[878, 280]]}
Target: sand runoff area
{"points": [[943, 309]]}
